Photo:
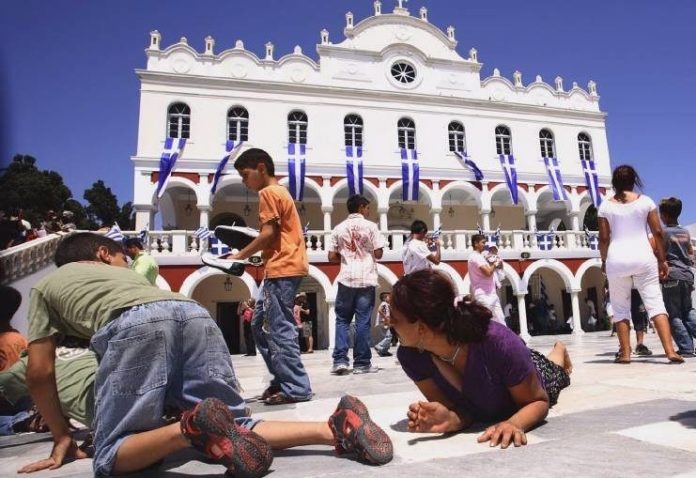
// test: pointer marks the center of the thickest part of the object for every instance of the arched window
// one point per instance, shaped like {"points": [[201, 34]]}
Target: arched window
{"points": [[584, 146], [503, 140], [297, 127], [238, 124], [546, 144], [457, 140], [179, 121], [407, 133], [353, 130]]}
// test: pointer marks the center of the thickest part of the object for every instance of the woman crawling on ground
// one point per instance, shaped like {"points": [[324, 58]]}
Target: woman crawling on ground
{"points": [[469, 368]]}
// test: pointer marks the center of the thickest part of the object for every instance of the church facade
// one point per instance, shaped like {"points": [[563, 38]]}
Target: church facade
{"points": [[392, 109]]}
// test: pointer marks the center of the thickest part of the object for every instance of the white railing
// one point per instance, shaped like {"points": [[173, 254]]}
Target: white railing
{"points": [[27, 258]]}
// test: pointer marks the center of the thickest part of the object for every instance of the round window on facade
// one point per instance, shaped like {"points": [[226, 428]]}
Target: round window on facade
{"points": [[403, 72]]}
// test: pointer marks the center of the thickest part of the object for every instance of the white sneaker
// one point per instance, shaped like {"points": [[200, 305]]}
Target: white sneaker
{"points": [[229, 266], [370, 369]]}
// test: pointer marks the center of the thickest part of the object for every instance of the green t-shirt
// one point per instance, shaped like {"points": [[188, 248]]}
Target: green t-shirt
{"points": [[145, 265], [75, 370], [81, 297]]}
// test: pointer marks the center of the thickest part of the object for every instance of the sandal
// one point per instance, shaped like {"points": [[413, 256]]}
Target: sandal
{"points": [[272, 390], [279, 399], [622, 360]]}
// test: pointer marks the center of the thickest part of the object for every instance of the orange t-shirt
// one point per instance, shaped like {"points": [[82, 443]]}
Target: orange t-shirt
{"points": [[12, 343], [287, 256]]}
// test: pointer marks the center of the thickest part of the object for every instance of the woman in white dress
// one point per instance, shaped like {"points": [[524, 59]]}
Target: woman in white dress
{"points": [[628, 259]]}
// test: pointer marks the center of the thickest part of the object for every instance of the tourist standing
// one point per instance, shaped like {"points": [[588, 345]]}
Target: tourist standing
{"points": [[628, 258], [481, 276], [356, 244], [420, 252], [143, 263], [383, 318]]}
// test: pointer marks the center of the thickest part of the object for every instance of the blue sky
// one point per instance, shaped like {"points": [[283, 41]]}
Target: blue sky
{"points": [[70, 97]]}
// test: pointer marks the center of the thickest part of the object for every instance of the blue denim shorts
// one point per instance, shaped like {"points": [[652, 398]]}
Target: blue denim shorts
{"points": [[167, 353]]}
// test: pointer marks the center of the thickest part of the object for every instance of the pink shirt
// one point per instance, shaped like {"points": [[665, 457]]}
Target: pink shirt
{"points": [[480, 283]]}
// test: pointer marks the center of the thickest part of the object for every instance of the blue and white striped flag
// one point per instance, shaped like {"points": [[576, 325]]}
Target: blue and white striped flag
{"points": [[546, 240], [555, 179], [410, 172], [172, 150], [354, 169], [469, 163], [591, 181], [218, 247], [202, 233], [507, 161], [296, 170], [115, 233], [592, 239], [231, 148], [493, 239], [305, 231]]}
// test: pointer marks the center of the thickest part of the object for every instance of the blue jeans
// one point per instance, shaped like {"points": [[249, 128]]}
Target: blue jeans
{"points": [[682, 316], [152, 355], [358, 302], [385, 343], [275, 334]]}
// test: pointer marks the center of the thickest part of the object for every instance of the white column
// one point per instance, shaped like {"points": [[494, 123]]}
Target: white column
{"points": [[383, 221], [436, 218], [327, 217], [522, 314], [575, 302], [531, 221], [575, 220], [486, 220], [144, 217], [332, 323], [204, 212]]}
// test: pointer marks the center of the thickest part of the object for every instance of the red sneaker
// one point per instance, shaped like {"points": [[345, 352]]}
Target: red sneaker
{"points": [[354, 431], [211, 429]]}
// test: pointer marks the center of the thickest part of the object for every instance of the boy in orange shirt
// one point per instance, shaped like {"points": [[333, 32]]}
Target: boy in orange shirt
{"points": [[285, 259], [12, 343]]}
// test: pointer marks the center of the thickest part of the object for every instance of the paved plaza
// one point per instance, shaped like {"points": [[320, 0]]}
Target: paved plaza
{"points": [[614, 421]]}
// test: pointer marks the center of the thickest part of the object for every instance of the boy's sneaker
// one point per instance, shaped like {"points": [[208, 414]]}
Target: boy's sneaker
{"points": [[642, 350], [340, 369], [383, 353], [211, 429], [368, 369], [355, 432], [230, 266]]}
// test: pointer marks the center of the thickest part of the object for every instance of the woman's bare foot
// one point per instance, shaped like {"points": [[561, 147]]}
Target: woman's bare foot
{"points": [[560, 356], [676, 358]]}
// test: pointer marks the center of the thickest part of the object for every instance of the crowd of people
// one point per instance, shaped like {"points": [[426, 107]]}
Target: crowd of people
{"points": [[148, 371], [15, 229]]}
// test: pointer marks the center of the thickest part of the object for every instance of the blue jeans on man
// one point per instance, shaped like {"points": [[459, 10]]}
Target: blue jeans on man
{"points": [[682, 316], [383, 345], [275, 334], [358, 302]]}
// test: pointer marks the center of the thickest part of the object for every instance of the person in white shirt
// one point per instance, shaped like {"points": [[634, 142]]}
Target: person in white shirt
{"points": [[418, 253], [482, 278], [629, 260], [356, 244]]}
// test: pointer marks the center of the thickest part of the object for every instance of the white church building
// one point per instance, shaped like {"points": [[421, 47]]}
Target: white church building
{"points": [[393, 101]]}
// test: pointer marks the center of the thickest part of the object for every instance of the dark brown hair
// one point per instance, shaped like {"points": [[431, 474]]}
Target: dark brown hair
{"points": [[625, 178], [428, 295], [671, 208], [251, 158], [83, 246]]}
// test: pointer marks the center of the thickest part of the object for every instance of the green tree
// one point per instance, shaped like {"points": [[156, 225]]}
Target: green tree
{"points": [[24, 186], [103, 209]]}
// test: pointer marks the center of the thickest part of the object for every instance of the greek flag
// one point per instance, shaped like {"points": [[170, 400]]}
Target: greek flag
{"points": [[296, 170], [507, 161], [115, 233], [202, 233], [172, 150], [437, 233], [493, 239], [546, 240], [354, 169], [409, 174], [555, 179], [590, 171], [592, 239], [231, 148], [469, 163], [305, 231], [218, 247]]}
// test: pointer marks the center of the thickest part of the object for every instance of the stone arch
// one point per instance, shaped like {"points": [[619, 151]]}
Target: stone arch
{"points": [[422, 188], [557, 266], [162, 283], [309, 183], [465, 186], [584, 267], [329, 290], [367, 185], [461, 287], [177, 181], [522, 194], [226, 180], [387, 274], [197, 276]]}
